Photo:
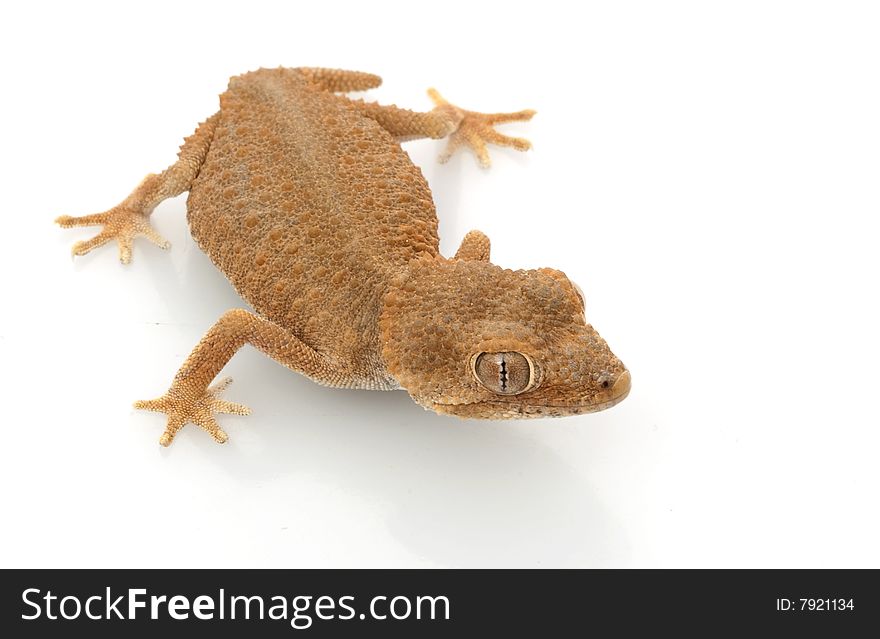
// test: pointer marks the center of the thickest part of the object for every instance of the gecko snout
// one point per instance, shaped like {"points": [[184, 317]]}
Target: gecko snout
{"points": [[615, 389], [621, 387]]}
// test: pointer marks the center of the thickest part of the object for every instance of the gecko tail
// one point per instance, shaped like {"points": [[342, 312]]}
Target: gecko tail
{"points": [[340, 80]]}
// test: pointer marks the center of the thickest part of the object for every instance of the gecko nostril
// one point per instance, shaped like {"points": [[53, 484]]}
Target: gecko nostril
{"points": [[604, 380], [622, 385]]}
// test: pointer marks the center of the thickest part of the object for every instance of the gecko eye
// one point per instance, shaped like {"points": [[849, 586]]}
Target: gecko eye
{"points": [[506, 373]]}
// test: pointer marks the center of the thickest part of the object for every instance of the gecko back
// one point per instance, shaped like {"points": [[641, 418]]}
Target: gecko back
{"points": [[306, 205]]}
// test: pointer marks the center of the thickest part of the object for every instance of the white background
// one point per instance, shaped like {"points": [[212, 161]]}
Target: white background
{"points": [[707, 172]]}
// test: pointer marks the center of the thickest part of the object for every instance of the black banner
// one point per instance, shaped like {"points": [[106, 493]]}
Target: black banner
{"points": [[424, 603]]}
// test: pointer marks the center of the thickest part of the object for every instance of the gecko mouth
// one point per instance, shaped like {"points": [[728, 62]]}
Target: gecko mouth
{"points": [[512, 408]]}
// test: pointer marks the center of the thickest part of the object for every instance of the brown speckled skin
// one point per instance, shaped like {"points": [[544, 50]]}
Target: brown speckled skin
{"points": [[309, 208], [307, 203], [444, 312]]}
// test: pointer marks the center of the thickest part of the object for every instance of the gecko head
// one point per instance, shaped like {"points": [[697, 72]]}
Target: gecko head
{"points": [[471, 339]]}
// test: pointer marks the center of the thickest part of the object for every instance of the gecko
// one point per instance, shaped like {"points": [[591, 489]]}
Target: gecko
{"points": [[304, 198]]}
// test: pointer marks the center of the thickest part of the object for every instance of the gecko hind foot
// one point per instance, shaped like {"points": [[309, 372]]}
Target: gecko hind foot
{"points": [[476, 129], [184, 405], [121, 223]]}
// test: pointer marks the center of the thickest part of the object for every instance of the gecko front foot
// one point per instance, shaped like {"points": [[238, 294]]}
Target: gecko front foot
{"points": [[183, 404], [122, 223], [476, 129]]}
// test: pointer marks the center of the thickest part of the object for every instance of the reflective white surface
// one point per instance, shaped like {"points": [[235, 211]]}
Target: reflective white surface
{"points": [[708, 176]]}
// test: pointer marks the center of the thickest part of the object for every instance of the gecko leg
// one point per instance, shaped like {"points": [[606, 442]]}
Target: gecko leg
{"points": [[463, 128], [191, 399], [131, 218]]}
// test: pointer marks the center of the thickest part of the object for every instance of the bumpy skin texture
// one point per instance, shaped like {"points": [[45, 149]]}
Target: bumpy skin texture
{"points": [[307, 203], [441, 313], [307, 207]]}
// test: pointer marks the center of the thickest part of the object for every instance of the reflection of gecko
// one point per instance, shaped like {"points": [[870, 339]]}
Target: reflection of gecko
{"points": [[307, 203]]}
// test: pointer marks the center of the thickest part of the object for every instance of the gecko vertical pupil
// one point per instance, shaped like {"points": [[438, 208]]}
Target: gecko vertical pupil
{"points": [[506, 373]]}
